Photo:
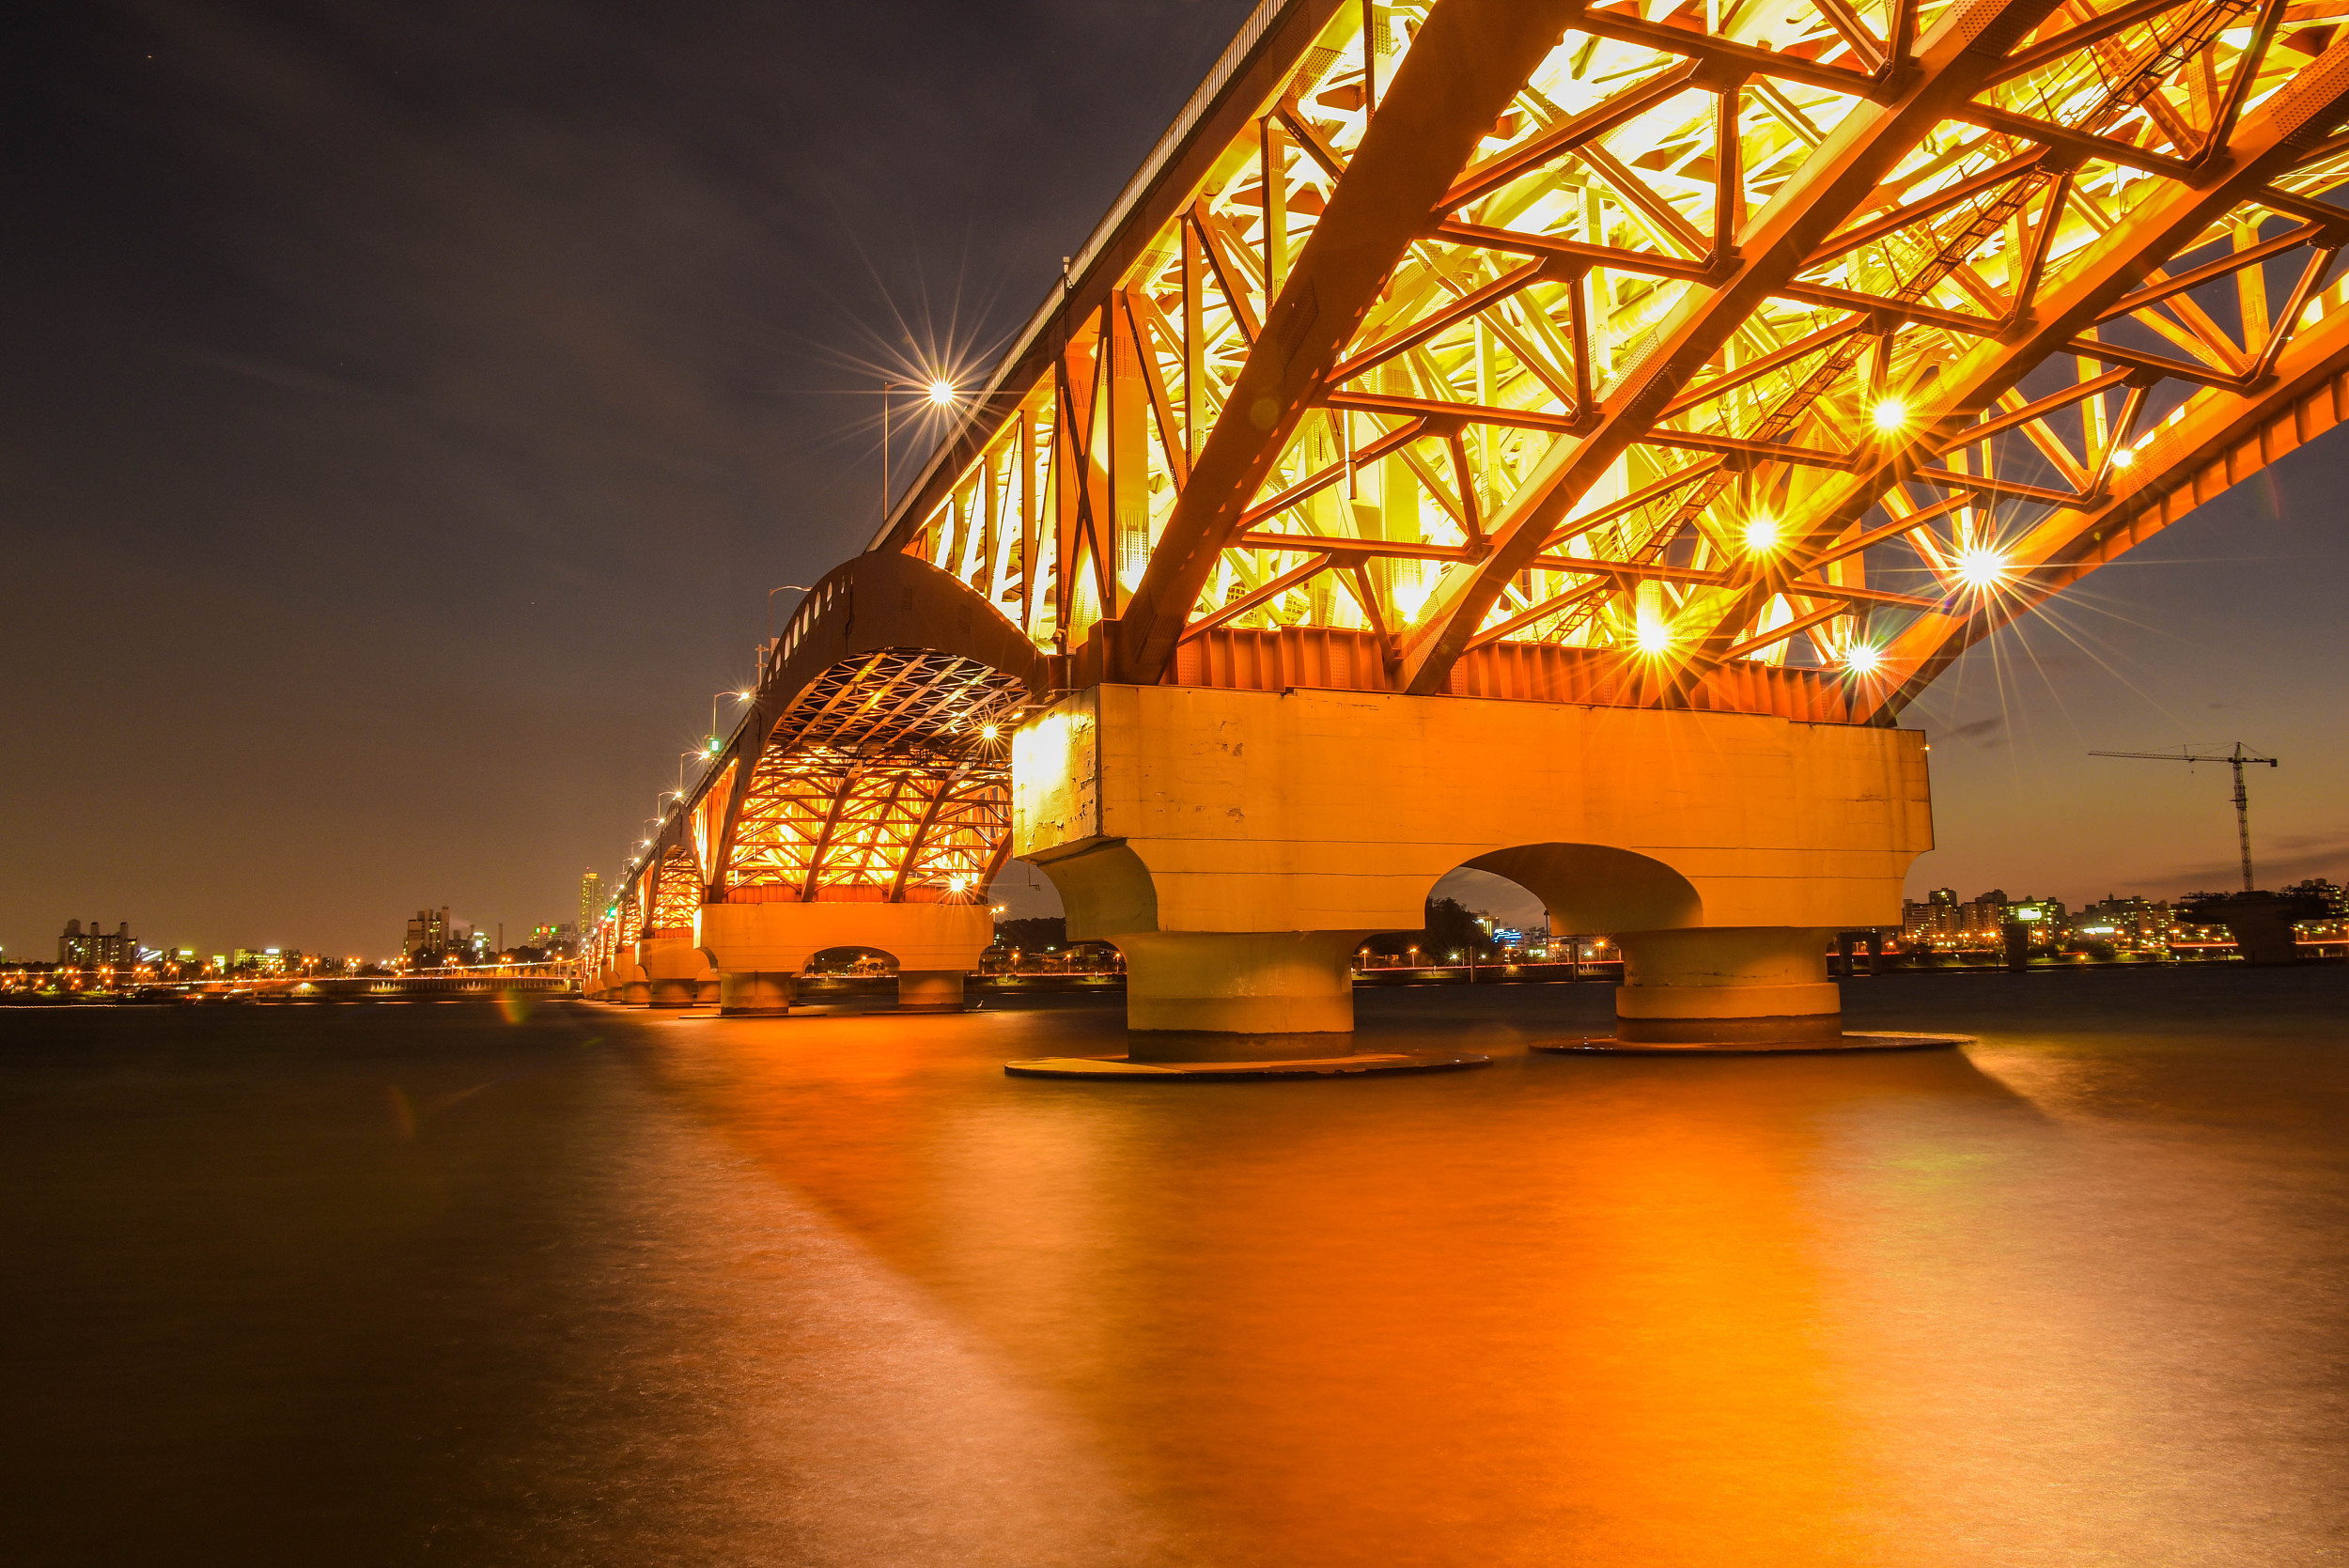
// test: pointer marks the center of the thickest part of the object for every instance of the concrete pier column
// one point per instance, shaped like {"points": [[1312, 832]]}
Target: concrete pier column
{"points": [[930, 990], [674, 968], [1208, 995], [756, 991], [625, 984], [1741, 984]]}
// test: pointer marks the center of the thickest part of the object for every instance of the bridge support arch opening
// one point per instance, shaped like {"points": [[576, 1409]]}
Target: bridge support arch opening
{"points": [[1685, 981], [1237, 847]]}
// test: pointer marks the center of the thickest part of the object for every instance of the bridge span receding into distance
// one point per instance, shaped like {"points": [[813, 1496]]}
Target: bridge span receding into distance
{"points": [[1554, 438]]}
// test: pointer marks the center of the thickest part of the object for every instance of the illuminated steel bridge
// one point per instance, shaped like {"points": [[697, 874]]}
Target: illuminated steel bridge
{"points": [[1659, 358]]}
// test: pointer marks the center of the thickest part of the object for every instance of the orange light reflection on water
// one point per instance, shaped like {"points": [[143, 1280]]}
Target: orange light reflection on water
{"points": [[1568, 1314]]}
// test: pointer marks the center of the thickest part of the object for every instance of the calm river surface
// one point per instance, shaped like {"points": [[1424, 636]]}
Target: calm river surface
{"points": [[427, 1283]]}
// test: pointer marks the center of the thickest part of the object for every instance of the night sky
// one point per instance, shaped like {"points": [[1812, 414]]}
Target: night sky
{"points": [[407, 408]]}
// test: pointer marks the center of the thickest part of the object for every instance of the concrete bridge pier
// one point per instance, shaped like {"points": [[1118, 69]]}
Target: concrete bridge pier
{"points": [[674, 968], [1233, 995], [933, 990], [624, 981], [1237, 847], [751, 992], [1752, 986], [758, 950]]}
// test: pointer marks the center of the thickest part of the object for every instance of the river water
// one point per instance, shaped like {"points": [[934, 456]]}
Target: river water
{"points": [[449, 1284]]}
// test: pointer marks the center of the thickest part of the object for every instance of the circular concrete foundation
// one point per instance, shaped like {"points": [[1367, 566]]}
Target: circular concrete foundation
{"points": [[1126, 1069], [1608, 1045]]}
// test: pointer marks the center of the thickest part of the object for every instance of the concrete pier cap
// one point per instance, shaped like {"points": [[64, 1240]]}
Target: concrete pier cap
{"points": [[1238, 846]]}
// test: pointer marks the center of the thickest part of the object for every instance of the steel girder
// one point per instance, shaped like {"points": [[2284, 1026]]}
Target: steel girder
{"points": [[1700, 339]]}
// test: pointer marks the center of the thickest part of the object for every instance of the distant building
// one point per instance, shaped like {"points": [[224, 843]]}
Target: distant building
{"points": [[2127, 921], [2047, 914], [555, 941], [95, 949], [590, 900], [1939, 915], [1982, 916], [1977, 920], [427, 936]]}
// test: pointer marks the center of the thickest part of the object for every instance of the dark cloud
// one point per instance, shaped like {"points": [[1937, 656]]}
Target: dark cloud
{"points": [[1987, 733]]}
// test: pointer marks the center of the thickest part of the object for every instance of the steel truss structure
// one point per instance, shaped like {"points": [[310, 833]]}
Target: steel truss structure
{"points": [[677, 894], [889, 780], [1675, 354]]}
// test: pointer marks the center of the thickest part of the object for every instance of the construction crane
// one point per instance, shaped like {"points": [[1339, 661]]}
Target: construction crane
{"points": [[2239, 759]]}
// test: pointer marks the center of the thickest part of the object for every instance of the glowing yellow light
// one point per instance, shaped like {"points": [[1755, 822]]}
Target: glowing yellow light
{"points": [[942, 393], [1861, 660], [2123, 458], [1891, 415], [1653, 636], [1762, 534], [987, 732], [1978, 567]]}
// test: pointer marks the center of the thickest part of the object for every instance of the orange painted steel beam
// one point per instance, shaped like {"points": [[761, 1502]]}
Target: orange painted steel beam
{"points": [[1463, 71], [1963, 48], [2216, 442], [2162, 225]]}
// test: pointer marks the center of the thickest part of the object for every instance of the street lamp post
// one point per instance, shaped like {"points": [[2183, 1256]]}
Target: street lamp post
{"points": [[737, 697], [795, 587], [941, 394]]}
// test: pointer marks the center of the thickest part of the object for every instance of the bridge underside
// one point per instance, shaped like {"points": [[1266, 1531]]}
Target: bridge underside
{"points": [[1699, 364]]}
